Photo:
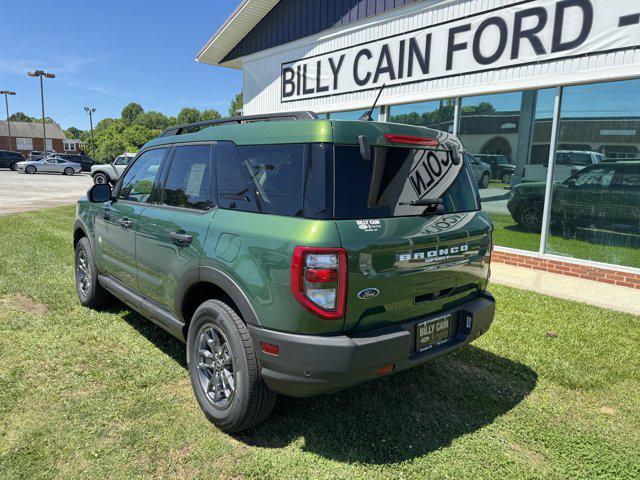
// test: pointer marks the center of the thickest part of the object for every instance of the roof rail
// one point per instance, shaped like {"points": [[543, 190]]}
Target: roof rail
{"points": [[267, 117]]}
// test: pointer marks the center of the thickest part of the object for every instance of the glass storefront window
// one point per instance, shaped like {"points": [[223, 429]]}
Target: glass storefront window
{"points": [[595, 211], [507, 137], [437, 115], [353, 114]]}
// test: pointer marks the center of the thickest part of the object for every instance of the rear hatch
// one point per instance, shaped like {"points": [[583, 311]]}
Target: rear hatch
{"points": [[408, 261]]}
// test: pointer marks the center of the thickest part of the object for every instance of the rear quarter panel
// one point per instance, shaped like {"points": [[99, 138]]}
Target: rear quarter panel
{"points": [[255, 251]]}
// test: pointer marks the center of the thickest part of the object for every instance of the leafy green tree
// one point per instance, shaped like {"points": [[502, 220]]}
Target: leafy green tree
{"points": [[210, 114], [188, 115], [152, 120], [73, 132], [131, 111], [20, 117], [235, 109], [104, 123]]}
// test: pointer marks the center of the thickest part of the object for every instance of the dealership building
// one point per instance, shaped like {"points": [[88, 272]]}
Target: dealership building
{"points": [[549, 86]]}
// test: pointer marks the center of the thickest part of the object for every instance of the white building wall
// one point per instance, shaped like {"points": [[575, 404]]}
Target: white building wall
{"points": [[262, 84]]}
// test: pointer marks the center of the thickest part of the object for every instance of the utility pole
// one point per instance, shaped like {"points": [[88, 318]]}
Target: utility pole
{"points": [[91, 111], [42, 74], [6, 104]]}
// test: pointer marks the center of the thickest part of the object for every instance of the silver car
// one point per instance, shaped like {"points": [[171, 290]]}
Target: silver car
{"points": [[50, 165], [481, 170]]}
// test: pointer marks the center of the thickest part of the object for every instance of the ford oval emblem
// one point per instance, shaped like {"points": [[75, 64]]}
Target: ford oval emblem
{"points": [[368, 293]]}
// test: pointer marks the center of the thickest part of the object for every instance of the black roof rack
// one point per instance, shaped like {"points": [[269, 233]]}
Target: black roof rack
{"points": [[267, 117]]}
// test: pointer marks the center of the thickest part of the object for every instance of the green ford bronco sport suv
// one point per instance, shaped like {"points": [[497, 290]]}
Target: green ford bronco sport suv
{"points": [[293, 255]]}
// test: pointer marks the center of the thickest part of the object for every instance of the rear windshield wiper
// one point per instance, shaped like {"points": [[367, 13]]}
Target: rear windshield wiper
{"points": [[434, 205]]}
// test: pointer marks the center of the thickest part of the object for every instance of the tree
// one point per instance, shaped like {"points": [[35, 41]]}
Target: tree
{"points": [[73, 132], [152, 120], [188, 115], [104, 123], [210, 114], [20, 117], [235, 109], [131, 111]]}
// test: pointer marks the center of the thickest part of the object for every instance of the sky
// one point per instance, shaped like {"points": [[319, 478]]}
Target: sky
{"points": [[106, 54]]}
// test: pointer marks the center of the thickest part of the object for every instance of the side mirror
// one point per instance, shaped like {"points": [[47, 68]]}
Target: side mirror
{"points": [[99, 193]]}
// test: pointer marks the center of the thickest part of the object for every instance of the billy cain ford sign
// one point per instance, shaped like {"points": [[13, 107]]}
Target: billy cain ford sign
{"points": [[525, 32]]}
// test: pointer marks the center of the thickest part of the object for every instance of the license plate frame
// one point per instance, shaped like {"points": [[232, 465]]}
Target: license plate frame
{"points": [[432, 333]]}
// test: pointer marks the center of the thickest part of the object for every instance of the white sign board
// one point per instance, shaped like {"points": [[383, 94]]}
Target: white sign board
{"points": [[524, 33]]}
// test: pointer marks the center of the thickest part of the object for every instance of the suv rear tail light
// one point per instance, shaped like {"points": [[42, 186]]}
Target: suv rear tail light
{"points": [[412, 140], [319, 280]]}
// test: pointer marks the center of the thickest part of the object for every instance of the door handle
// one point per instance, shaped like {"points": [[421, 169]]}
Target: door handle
{"points": [[181, 239], [126, 223]]}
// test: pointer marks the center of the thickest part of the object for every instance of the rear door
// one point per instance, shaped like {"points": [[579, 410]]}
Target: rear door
{"points": [[415, 264], [172, 230]]}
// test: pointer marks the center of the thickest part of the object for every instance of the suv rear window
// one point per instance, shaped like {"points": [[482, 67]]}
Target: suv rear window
{"points": [[358, 195]]}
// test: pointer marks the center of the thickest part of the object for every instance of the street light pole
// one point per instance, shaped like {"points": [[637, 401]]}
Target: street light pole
{"points": [[42, 74], [91, 111], [6, 104]]}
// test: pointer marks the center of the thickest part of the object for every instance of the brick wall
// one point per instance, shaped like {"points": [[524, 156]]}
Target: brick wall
{"points": [[58, 145], [603, 275]]}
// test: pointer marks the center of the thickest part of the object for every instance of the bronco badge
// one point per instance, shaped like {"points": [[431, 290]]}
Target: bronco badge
{"points": [[368, 293]]}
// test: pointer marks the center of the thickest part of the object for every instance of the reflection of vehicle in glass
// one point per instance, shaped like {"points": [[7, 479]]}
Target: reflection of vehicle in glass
{"points": [[49, 165], [37, 155], [110, 172], [481, 171], [299, 264], [603, 196], [568, 163], [10, 159], [501, 169]]}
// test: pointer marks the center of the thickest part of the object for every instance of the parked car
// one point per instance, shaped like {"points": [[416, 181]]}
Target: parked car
{"points": [[604, 196], [49, 165], [36, 155], [568, 163], [501, 169], [481, 171], [245, 244], [10, 159], [85, 161], [110, 172]]}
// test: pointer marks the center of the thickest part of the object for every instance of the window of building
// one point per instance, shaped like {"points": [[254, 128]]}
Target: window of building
{"points": [[189, 182], [594, 209], [437, 115], [510, 135], [69, 146], [24, 144], [137, 184]]}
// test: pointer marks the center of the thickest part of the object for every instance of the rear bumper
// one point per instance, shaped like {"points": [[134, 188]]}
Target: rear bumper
{"points": [[312, 365]]}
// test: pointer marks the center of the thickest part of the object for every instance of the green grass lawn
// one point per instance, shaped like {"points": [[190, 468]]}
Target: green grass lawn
{"points": [[551, 391], [509, 234]]}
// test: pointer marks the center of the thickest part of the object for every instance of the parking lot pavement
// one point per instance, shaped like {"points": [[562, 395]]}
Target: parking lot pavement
{"points": [[494, 200], [20, 192]]}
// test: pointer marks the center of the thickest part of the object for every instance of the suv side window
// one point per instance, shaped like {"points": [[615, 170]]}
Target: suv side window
{"points": [[138, 182], [189, 183], [235, 191]]}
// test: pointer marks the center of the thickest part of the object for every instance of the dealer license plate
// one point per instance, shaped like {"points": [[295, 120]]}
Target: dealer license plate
{"points": [[432, 332]]}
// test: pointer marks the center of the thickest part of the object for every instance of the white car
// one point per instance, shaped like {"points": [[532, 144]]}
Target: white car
{"points": [[110, 172], [568, 163], [49, 165]]}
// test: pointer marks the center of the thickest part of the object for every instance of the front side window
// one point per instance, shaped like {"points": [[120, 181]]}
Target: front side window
{"points": [[596, 177], [189, 182], [137, 184], [123, 161]]}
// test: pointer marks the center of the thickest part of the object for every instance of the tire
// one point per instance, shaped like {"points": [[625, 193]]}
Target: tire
{"points": [[531, 218], [30, 169], [100, 178], [485, 180], [68, 171], [230, 361], [88, 288], [506, 178], [14, 167]]}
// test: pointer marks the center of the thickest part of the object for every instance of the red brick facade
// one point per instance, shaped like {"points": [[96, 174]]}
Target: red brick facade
{"points": [[58, 145], [597, 274]]}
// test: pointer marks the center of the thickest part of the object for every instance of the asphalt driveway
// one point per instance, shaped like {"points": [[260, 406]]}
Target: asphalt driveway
{"points": [[20, 192]]}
